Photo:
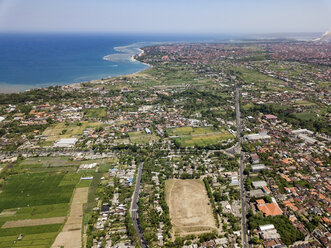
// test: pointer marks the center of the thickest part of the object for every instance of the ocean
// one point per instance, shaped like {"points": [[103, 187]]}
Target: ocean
{"points": [[40, 60]]}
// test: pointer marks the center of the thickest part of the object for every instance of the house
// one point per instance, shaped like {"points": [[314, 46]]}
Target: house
{"points": [[270, 117], [105, 208], [273, 243], [268, 208], [210, 243], [266, 190], [254, 158], [234, 181]]}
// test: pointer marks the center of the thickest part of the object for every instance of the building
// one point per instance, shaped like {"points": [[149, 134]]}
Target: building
{"points": [[268, 208], [259, 184], [270, 117], [300, 131], [66, 143], [270, 236], [256, 193], [254, 158], [234, 181], [258, 167], [257, 136]]}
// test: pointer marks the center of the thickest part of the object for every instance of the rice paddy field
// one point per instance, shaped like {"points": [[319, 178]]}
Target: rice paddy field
{"points": [[201, 136], [36, 199], [33, 196]]}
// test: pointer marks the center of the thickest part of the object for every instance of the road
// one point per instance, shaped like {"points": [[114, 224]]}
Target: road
{"points": [[242, 167], [134, 207]]}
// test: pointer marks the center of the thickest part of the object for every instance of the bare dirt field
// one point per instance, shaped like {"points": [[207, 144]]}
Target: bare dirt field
{"points": [[33, 222], [70, 236], [190, 210], [7, 212]]}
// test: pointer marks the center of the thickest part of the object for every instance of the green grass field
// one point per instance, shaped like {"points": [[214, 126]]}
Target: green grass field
{"points": [[96, 113], [36, 189], [141, 137], [201, 136], [33, 237], [61, 130], [305, 116], [304, 103], [35, 212]]}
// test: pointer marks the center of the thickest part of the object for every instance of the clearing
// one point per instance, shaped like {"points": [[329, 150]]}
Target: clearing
{"points": [[190, 210]]}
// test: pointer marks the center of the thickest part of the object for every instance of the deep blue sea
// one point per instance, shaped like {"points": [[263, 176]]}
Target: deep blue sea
{"points": [[40, 60]]}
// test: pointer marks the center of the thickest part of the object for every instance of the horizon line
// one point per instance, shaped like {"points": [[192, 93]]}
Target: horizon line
{"points": [[157, 33]]}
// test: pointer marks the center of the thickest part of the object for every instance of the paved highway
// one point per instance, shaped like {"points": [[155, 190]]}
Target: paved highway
{"points": [[134, 207], [242, 167]]}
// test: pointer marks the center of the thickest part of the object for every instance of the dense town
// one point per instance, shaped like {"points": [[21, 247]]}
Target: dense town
{"points": [[215, 145]]}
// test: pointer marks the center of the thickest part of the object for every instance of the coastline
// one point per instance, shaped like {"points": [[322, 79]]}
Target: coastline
{"points": [[132, 59], [19, 88]]}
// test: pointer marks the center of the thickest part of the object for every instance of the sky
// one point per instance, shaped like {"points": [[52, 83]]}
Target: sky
{"points": [[165, 16]]}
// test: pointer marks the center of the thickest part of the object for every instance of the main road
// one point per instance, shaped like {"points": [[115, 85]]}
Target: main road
{"points": [[134, 207], [242, 182]]}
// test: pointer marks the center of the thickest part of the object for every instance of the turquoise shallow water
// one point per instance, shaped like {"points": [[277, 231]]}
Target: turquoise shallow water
{"points": [[40, 60]]}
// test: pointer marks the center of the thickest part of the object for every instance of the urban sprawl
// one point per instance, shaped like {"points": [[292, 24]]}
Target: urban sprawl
{"points": [[214, 145]]}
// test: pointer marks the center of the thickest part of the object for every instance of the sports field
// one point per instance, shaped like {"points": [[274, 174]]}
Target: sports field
{"points": [[189, 206], [200, 136]]}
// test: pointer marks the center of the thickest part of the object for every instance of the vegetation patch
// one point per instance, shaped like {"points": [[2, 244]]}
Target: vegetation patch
{"points": [[66, 130], [305, 116], [201, 136], [141, 137], [287, 231], [96, 112]]}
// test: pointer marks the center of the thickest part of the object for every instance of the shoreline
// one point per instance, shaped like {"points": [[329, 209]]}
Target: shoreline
{"points": [[132, 59], [20, 88]]}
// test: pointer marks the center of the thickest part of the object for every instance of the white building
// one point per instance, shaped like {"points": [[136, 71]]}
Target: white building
{"points": [[66, 143], [257, 136], [258, 167], [259, 184]]}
